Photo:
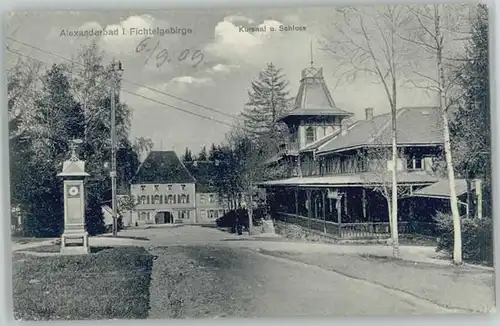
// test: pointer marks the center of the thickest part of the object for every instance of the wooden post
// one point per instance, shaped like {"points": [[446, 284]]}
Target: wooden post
{"points": [[469, 213], [309, 211], [365, 215], [323, 205], [339, 214], [345, 203], [296, 201], [479, 196], [363, 202]]}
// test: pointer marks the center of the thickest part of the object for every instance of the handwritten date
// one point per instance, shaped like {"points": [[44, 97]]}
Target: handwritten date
{"points": [[162, 55]]}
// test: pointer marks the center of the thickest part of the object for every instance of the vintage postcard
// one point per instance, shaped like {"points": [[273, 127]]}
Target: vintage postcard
{"points": [[250, 162]]}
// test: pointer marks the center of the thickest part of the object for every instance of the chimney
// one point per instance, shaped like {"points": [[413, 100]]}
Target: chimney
{"points": [[369, 113]]}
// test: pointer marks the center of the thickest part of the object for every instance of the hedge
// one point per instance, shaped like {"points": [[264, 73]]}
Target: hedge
{"points": [[477, 238]]}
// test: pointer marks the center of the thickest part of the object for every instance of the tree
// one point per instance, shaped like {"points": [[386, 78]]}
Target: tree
{"points": [[60, 113], [268, 100], [435, 24], [211, 152], [367, 43], [202, 156], [470, 129], [142, 146], [36, 189], [379, 179], [22, 91], [188, 157], [226, 175]]}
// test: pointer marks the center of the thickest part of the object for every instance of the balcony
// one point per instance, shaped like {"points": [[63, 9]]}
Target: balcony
{"points": [[291, 148]]}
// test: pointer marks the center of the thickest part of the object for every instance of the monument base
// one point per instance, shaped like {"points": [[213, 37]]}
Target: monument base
{"points": [[81, 248]]}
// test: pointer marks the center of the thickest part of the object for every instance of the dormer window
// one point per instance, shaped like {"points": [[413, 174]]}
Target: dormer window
{"points": [[310, 136], [143, 187], [169, 187]]}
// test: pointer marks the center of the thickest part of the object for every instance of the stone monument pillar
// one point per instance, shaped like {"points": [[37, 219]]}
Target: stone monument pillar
{"points": [[74, 205]]}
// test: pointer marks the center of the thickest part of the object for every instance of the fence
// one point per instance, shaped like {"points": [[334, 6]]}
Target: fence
{"points": [[357, 230]]}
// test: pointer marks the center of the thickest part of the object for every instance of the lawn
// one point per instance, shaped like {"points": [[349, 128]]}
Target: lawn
{"points": [[112, 283]]}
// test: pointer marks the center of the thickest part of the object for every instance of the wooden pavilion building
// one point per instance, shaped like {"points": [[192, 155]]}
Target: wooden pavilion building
{"points": [[342, 169]]}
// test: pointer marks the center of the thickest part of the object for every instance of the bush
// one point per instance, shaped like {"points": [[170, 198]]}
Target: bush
{"points": [[477, 238], [241, 214]]}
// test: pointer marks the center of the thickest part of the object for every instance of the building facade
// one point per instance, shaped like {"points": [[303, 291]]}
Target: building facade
{"points": [[169, 191], [209, 207], [342, 170], [164, 191]]}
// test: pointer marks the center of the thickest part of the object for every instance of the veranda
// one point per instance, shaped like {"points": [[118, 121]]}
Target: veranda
{"points": [[347, 212]]}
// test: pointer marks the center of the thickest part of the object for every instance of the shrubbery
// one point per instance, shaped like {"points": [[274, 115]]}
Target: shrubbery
{"points": [[477, 238]]}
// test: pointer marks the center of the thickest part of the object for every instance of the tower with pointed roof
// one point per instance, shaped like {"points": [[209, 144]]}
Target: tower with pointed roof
{"points": [[315, 114]]}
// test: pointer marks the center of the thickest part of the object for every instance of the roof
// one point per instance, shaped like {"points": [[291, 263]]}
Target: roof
{"points": [[354, 179], [73, 168], [162, 167], [313, 97], [441, 189], [204, 173], [415, 126]]}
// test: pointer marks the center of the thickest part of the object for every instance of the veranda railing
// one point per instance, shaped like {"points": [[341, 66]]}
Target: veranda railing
{"points": [[357, 230]]}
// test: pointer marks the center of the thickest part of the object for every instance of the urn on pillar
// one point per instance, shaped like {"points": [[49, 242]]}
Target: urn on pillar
{"points": [[74, 239]]}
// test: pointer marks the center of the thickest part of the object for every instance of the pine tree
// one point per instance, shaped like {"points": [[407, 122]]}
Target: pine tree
{"points": [[188, 157], [212, 152], [202, 156], [64, 108], [470, 128], [268, 100]]}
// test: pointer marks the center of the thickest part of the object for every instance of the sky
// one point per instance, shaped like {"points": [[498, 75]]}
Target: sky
{"points": [[218, 78]]}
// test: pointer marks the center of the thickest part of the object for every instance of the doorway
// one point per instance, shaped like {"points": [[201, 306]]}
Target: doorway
{"points": [[164, 218]]}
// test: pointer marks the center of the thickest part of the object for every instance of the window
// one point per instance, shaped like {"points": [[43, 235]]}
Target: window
{"points": [[183, 199], [213, 213], [170, 199], [310, 137], [169, 187], [156, 200], [183, 214], [183, 187], [202, 199], [143, 187], [143, 216], [157, 187], [203, 213], [143, 199], [211, 198], [415, 164]]}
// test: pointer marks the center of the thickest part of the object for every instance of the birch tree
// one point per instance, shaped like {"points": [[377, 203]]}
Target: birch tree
{"points": [[23, 81], [380, 180], [365, 42], [437, 28]]}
